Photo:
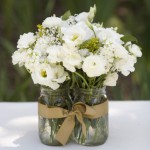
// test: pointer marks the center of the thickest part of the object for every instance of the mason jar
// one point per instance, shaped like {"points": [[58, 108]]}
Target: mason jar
{"points": [[48, 128], [96, 129]]}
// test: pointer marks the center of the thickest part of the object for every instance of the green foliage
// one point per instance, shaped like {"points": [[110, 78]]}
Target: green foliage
{"points": [[66, 15], [18, 17], [128, 38], [93, 45]]}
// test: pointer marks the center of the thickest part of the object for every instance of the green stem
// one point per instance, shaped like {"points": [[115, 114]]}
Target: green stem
{"points": [[82, 78], [73, 81], [76, 80]]}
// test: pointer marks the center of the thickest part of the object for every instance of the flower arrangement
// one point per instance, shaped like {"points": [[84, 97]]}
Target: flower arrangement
{"points": [[73, 50]]}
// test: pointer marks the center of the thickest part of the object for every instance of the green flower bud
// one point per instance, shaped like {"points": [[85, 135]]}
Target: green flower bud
{"points": [[92, 13]]}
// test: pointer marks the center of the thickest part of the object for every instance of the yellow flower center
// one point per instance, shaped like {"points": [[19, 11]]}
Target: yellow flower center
{"points": [[43, 73]]}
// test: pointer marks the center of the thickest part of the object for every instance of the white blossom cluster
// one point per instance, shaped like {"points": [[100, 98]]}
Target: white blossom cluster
{"points": [[61, 47]]}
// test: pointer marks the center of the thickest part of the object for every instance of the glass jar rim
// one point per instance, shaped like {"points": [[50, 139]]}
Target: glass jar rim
{"points": [[45, 90]]}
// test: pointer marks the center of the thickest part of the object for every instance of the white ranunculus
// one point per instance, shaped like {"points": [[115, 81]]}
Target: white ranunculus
{"points": [[71, 61], [55, 54], [134, 49], [111, 79], [26, 40], [51, 21], [76, 34], [94, 66]]}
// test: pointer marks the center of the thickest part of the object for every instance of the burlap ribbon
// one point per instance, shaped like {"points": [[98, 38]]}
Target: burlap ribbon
{"points": [[79, 110]]}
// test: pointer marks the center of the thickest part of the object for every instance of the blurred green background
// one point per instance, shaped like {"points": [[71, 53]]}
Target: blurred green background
{"points": [[20, 16]]}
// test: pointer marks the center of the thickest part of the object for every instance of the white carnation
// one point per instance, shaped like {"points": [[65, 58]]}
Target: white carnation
{"points": [[55, 54], [26, 40], [134, 49], [94, 66], [19, 57], [111, 79], [51, 21], [32, 58], [126, 65], [42, 44], [108, 35]]}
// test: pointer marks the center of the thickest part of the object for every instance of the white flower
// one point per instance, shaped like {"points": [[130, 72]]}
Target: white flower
{"points": [[51, 21], [94, 66], [59, 74], [32, 58], [85, 16], [119, 51], [71, 61], [76, 34], [111, 79], [42, 44], [107, 52], [108, 35], [82, 17], [26, 40], [19, 57], [125, 65], [48, 75], [134, 49], [55, 54]]}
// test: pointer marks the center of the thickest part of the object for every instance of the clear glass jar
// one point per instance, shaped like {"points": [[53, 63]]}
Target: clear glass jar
{"points": [[96, 129], [48, 128]]}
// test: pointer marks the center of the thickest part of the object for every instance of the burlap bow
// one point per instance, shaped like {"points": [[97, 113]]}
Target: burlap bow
{"points": [[79, 110]]}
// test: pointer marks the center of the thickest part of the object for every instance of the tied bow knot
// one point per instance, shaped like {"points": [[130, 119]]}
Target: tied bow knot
{"points": [[79, 110]]}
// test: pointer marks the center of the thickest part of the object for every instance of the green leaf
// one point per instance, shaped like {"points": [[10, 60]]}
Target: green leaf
{"points": [[66, 15], [129, 38]]}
